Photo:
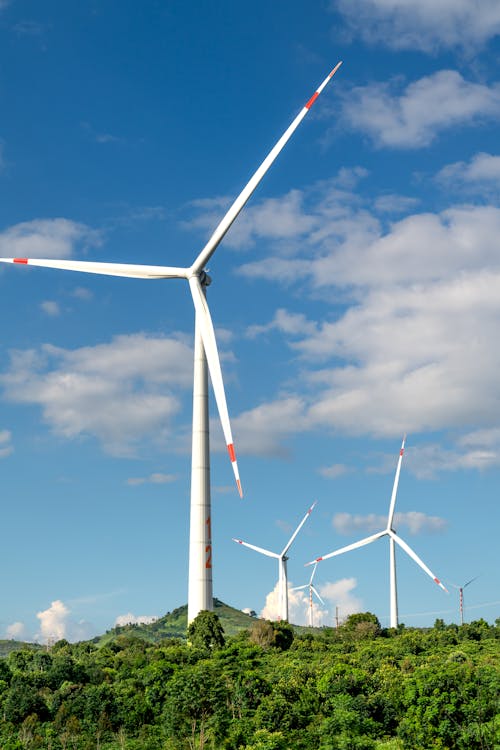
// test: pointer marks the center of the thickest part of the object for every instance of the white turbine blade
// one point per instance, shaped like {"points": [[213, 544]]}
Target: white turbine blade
{"points": [[361, 543], [312, 574], [257, 549], [298, 588], [290, 541], [249, 188], [395, 486], [313, 589], [106, 269], [417, 559], [210, 345]]}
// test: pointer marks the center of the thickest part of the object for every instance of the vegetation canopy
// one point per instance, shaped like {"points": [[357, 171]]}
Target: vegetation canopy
{"points": [[267, 687]]}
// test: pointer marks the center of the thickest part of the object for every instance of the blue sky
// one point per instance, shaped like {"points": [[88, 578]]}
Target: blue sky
{"points": [[356, 299]]}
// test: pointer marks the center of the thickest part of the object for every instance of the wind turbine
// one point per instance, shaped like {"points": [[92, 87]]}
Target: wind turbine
{"points": [[312, 591], [393, 538], [461, 596], [200, 595], [282, 558]]}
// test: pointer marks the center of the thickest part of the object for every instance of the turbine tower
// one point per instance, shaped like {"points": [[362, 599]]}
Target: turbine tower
{"points": [[206, 361], [393, 540], [282, 558], [461, 596], [312, 591]]}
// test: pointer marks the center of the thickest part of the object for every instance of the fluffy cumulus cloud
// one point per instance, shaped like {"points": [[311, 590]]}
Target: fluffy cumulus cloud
{"points": [[414, 116], [298, 608], [120, 392], [341, 598], [337, 596], [414, 521], [422, 24], [46, 238], [6, 447], [56, 623], [412, 344]]}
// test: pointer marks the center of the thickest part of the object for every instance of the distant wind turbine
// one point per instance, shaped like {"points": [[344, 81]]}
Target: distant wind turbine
{"points": [[393, 537], [461, 596], [200, 596], [312, 591], [282, 558]]}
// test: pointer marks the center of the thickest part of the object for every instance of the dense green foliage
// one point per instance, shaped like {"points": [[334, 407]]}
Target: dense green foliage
{"points": [[354, 688]]}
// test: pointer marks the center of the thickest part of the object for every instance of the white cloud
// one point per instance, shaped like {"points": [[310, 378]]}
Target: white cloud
{"points": [[414, 521], [340, 594], [298, 608], [423, 24], [395, 204], [50, 308], [414, 117], [278, 219], [53, 621], [480, 174], [5, 443], [284, 322], [46, 238], [334, 471], [131, 619], [119, 392], [413, 349], [16, 631], [82, 293], [56, 623], [479, 450], [337, 594], [264, 430], [155, 478]]}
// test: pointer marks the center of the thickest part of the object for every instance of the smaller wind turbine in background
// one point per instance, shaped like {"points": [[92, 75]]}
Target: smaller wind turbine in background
{"points": [[393, 538], [312, 591], [282, 558], [461, 595]]}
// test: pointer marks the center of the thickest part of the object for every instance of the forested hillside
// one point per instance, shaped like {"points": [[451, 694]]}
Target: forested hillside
{"points": [[354, 688]]}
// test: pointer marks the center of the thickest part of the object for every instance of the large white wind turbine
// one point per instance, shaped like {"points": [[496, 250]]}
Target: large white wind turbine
{"points": [[461, 596], [393, 538], [312, 591], [205, 355], [282, 559]]}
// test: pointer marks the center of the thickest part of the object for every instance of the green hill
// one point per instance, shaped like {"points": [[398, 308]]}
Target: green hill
{"points": [[174, 625]]}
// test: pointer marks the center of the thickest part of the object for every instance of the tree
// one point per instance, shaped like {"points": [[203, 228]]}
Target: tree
{"points": [[206, 631]]}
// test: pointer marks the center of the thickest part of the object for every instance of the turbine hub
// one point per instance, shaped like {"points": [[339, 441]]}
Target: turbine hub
{"points": [[205, 279]]}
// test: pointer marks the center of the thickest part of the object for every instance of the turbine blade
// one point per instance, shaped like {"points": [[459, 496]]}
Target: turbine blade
{"points": [[249, 188], [297, 588], [395, 486], [321, 600], [312, 574], [361, 543], [417, 559], [129, 270], [290, 541], [257, 549], [471, 581], [210, 345]]}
